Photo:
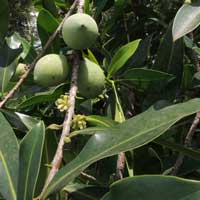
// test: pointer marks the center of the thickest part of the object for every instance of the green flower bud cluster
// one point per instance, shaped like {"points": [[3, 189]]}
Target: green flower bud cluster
{"points": [[78, 122], [63, 103]]}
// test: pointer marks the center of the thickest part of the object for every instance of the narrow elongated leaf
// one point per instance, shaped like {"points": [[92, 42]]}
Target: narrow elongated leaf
{"points": [[20, 121], [51, 7], [47, 24], [128, 135], [195, 154], [6, 74], [100, 121], [47, 96], [155, 187], [30, 158], [122, 56], [186, 19], [9, 160], [145, 75], [8, 55]]}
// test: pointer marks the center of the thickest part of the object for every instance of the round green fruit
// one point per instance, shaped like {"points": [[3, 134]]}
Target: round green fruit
{"points": [[80, 31], [51, 70], [20, 70], [91, 79]]}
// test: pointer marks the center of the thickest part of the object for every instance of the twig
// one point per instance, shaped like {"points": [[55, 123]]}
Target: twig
{"points": [[66, 124], [187, 143], [80, 7], [32, 65], [56, 163], [121, 160]]}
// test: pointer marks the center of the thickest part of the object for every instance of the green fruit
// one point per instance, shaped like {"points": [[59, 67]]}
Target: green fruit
{"points": [[91, 79], [20, 70], [51, 70], [80, 31]]}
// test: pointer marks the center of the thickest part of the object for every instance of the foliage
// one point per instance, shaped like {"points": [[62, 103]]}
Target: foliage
{"points": [[149, 54]]}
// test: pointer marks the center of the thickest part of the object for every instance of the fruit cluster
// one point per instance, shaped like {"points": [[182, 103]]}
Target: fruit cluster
{"points": [[79, 32]]}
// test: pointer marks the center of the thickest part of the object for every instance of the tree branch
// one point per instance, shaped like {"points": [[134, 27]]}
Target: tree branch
{"points": [[32, 65], [56, 163], [187, 143], [67, 122]]}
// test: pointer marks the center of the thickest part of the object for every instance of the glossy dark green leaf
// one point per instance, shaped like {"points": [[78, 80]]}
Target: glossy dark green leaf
{"points": [[4, 17], [47, 24], [51, 95], [155, 187], [31, 148], [6, 74], [9, 160], [28, 53], [19, 120], [141, 55], [195, 154], [99, 7], [144, 75], [170, 56], [123, 137], [50, 6], [122, 56], [186, 19], [8, 55]]}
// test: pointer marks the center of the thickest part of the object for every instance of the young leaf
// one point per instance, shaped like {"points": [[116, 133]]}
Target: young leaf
{"points": [[9, 160], [186, 19], [128, 135], [155, 187], [122, 56], [30, 158]]}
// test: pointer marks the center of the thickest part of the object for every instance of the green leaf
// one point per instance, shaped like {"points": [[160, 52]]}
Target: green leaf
{"points": [[128, 135], [144, 75], [8, 55], [29, 53], [31, 148], [9, 160], [100, 121], [50, 6], [6, 74], [186, 20], [99, 7], [19, 120], [47, 24], [195, 154], [170, 56], [122, 56], [155, 187], [47, 96], [4, 17]]}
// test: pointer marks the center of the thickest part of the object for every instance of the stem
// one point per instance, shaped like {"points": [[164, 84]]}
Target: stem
{"points": [[121, 159], [56, 163], [32, 65], [187, 143], [66, 124]]}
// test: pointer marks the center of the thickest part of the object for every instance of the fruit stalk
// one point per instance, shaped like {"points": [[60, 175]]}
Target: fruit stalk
{"points": [[32, 65]]}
